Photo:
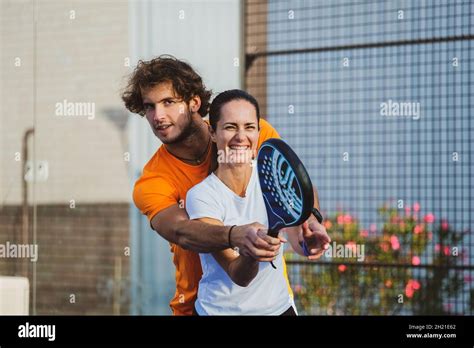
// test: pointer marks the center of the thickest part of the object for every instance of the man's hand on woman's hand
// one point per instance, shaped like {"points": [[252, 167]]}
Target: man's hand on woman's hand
{"points": [[252, 240]]}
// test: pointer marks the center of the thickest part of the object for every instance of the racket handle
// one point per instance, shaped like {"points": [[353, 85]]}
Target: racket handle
{"points": [[317, 215], [273, 232]]}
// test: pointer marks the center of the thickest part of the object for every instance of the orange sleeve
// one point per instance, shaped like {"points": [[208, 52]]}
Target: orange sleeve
{"points": [[266, 132], [152, 195]]}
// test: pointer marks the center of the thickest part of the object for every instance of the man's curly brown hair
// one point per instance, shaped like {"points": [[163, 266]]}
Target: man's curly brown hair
{"points": [[185, 81]]}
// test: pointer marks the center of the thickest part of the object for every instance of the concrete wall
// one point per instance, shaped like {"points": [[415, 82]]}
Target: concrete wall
{"points": [[75, 52], [51, 51]]}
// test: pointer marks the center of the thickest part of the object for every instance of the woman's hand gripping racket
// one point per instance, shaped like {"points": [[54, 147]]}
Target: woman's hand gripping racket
{"points": [[286, 187]]}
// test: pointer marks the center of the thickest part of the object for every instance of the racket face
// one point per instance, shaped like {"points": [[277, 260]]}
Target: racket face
{"points": [[285, 183]]}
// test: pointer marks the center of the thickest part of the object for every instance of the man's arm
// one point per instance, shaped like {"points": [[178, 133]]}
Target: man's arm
{"points": [[174, 225]]}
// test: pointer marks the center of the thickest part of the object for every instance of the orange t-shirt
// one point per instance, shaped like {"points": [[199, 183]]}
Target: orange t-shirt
{"points": [[165, 182]]}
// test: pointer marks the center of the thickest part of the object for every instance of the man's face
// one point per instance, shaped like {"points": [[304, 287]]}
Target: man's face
{"points": [[169, 116]]}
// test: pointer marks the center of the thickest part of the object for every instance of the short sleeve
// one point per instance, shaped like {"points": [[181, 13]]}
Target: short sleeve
{"points": [[266, 132], [152, 195], [202, 203]]}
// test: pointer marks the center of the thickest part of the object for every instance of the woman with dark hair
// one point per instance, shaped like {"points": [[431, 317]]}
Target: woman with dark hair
{"points": [[232, 283]]}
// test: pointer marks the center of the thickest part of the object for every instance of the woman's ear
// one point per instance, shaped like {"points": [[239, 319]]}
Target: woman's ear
{"points": [[213, 134]]}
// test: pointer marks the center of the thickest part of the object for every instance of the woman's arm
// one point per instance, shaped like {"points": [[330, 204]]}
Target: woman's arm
{"points": [[240, 268]]}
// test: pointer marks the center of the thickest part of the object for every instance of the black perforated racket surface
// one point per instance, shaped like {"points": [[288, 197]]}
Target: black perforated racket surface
{"points": [[286, 186]]}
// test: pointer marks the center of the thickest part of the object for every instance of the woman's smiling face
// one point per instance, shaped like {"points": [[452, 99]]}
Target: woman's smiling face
{"points": [[236, 134]]}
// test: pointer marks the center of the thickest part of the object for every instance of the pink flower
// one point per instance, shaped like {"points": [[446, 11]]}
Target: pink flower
{"points": [[342, 268], [373, 227], [411, 286], [437, 247], [444, 225], [347, 219], [446, 250], [395, 243], [352, 245], [340, 219], [384, 246], [364, 233], [418, 229], [430, 235], [415, 284], [409, 290], [429, 218], [416, 207], [395, 219], [415, 260], [407, 211]]}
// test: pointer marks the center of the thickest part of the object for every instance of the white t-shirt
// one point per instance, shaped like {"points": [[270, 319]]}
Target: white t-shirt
{"points": [[267, 293]]}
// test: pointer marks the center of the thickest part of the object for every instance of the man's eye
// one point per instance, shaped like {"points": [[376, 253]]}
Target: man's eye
{"points": [[168, 102], [148, 107]]}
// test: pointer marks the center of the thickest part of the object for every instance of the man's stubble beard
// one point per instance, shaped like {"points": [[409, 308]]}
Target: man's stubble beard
{"points": [[189, 129]]}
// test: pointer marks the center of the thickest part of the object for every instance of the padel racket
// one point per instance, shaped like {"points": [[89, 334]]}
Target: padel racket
{"points": [[286, 186]]}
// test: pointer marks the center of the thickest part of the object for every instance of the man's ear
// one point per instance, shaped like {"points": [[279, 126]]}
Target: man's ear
{"points": [[195, 103]]}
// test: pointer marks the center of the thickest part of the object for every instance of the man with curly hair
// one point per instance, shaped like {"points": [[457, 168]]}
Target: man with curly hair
{"points": [[174, 100]]}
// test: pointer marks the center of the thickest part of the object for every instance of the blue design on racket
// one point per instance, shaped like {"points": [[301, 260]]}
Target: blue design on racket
{"points": [[286, 187]]}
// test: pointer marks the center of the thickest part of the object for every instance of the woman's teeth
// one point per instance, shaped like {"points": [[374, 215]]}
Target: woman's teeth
{"points": [[239, 147]]}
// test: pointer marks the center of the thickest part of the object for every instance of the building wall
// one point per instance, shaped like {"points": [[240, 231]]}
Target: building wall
{"points": [[79, 216], [83, 260], [78, 60]]}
